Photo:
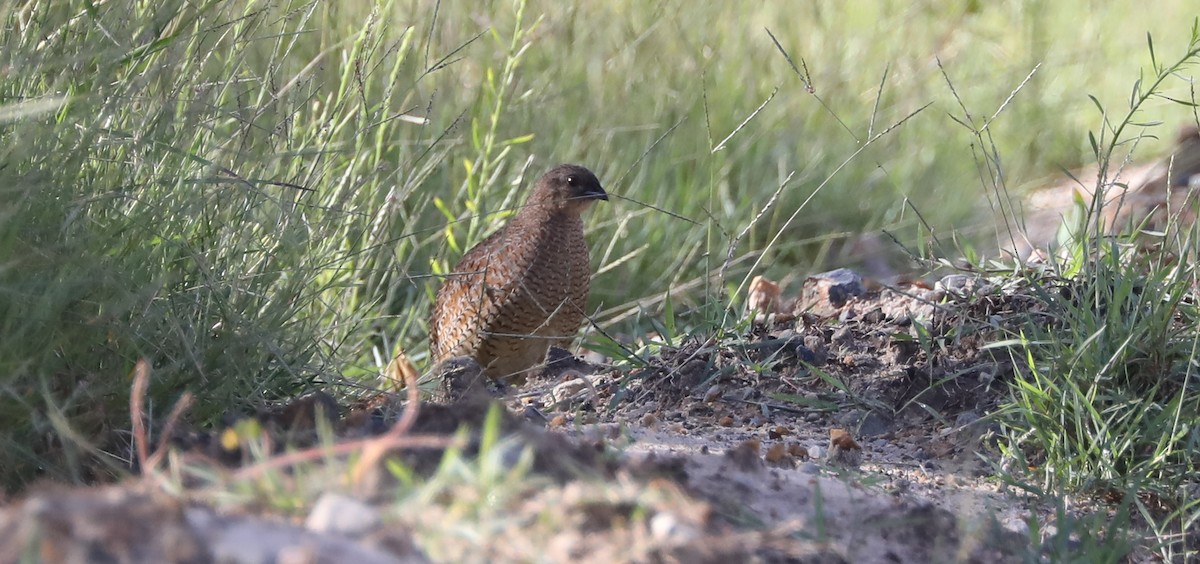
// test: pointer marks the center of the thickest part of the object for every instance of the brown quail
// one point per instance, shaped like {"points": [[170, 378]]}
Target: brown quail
{"points": [[525, 287]]}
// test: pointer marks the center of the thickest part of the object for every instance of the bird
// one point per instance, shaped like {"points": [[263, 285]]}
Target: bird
{"points": [[523, 288]]}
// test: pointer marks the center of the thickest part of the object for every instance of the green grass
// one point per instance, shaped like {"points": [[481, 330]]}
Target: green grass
{"points": [[1105, 401], [258, 197]]}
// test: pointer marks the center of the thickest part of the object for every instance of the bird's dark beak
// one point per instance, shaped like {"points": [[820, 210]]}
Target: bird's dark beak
{"points": [[597, 194]]}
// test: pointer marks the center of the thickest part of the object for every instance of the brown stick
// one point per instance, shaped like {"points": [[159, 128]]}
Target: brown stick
{"points": [[137, 397]]}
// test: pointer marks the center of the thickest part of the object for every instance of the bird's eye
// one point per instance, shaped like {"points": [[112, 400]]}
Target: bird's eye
{"points": [[572, 181]]}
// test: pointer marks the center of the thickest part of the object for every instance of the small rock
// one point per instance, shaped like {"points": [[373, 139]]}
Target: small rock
{"points": [[842, 336], [593, 357], [825, 294], [963, 285], [665, 527], [612, 431], [843, 450], [459, 378], [763, 296], [253, 541], [778, 455], [931, 295], [534, 415], [796, 450], [567, 391], [957, 283], [786, 345], [338, 513], [874, 425], [840, 285], [850, 417], [816, 344], [874, 316], [744, 393], [966, 418], [745, 455], [1015, 524], [866, 423]]}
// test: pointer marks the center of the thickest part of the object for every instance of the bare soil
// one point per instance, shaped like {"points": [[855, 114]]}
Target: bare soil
{"points": [[852, 425]]}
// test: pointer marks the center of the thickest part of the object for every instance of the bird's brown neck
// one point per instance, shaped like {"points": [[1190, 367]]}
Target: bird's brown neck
{"points": [[539, 217]]}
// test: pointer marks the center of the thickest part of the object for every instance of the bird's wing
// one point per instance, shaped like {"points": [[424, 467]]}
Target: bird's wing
{"points": [[474, 292]]}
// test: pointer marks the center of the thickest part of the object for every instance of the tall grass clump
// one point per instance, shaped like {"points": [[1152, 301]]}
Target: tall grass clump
{"points": [[206, 185], [1106, 398]]}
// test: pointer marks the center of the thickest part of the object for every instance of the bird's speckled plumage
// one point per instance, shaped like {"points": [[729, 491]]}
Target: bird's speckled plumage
{"points": [[525, 287]]}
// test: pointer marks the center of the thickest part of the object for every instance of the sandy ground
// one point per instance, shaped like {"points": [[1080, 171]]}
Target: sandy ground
{"points": [[833, 430]]}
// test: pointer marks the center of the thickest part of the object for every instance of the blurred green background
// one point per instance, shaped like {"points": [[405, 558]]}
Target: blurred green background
{"points": [[258, 196]]}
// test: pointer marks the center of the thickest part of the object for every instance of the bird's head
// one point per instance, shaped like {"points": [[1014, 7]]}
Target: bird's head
{"points": [[569, 188]]}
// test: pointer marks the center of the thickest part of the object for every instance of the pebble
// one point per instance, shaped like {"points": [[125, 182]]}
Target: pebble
{"points": [[873, 424], [338, 513], [248, 541], [666, 527], [566, 391], [840, 285], [842, 335], [966, 418]]}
